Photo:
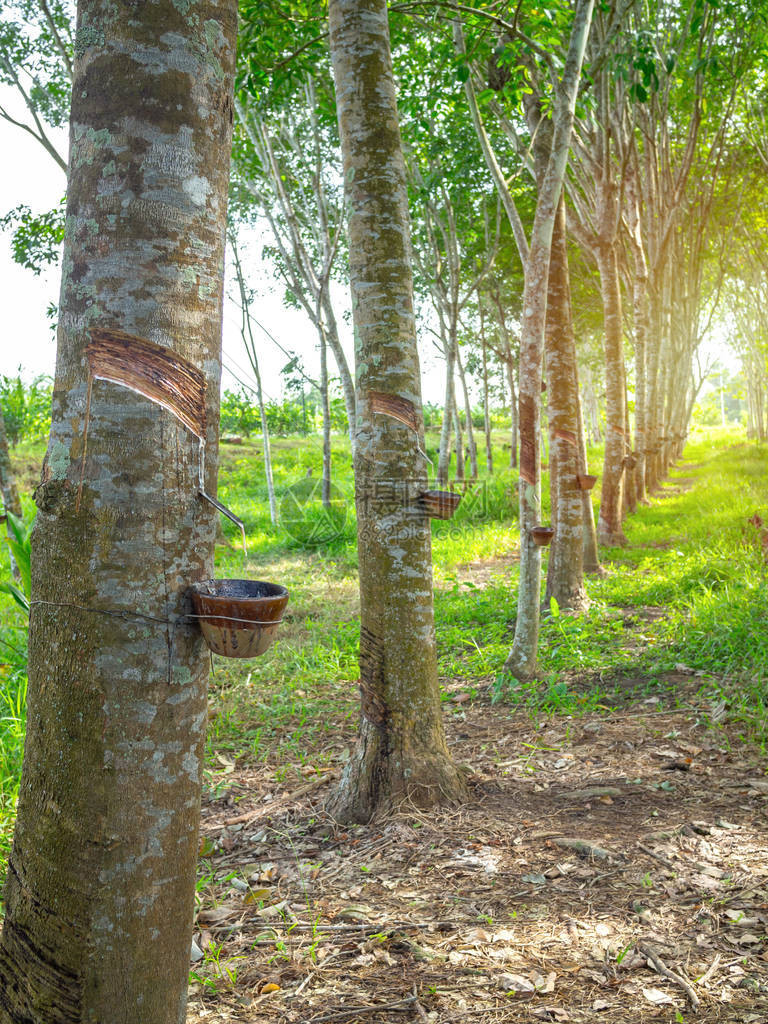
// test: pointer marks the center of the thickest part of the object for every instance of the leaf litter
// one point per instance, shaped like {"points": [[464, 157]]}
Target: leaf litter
{"points": [[573, 886]]}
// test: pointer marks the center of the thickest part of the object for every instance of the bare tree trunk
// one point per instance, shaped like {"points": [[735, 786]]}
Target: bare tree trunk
{"points": [[486, 405], [642, 331], [401, 753], [471, 444], [651, 422], [630, 490], [513, 437], [326, 404], [593, 413], [246, 331], [521, 661], [565, 572], [590, 555], [444, 451], [609, 529], [100, 889], [347, 384], [459, 439]]}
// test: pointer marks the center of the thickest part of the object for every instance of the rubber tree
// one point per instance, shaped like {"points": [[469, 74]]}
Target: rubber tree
{"points": [[535, 256], [100, 887], [401, 753], [565, 569]]}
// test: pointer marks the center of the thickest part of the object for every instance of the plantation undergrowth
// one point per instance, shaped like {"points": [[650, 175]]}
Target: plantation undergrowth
{"points": [[687, 597]]}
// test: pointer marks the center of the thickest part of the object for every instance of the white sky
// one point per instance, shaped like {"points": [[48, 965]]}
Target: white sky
{"points": [[28, 175]]}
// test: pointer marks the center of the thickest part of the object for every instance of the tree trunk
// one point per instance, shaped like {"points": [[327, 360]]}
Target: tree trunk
{"points": [[513, 436], [101, 880], [565, 573], [486, 404], [471, 445], [590, 555], [347, 384], [246, 331], [401, 754], [642, 331], [326, 404], [609, 530], [444, 451], [630, 490], [521, 661], [653, 425], [267, 449], [459, 439], [593, 412]]}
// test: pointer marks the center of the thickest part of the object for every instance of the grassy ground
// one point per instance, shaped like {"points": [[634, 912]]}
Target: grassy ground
{"points": [[692, 577], [689, 594], [665, 675]]}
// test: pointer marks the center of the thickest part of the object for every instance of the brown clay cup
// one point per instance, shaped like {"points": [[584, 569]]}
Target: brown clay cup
{"points": [[239, 618]]}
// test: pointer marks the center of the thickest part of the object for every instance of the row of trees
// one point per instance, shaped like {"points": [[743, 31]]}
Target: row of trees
{"points": [[100, 880]]}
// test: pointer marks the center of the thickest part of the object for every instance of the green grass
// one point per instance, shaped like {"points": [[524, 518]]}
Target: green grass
{"points": [[689, 589]]}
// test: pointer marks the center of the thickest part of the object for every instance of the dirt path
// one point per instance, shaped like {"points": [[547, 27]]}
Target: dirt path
{"points": [[606, 868]]}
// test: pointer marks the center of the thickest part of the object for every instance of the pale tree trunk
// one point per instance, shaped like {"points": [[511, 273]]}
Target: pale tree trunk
{"points": [[630, 491], [444, 450], [471, 444], [521, 661], [642, 328], [459, 438], [609, 529], [486, 403], [401, 753], [513, 436], [653, 353], [101, 880], [504, 352], [565, 571], [326, 405], [590, 555], [246, 331], [593, 412]]}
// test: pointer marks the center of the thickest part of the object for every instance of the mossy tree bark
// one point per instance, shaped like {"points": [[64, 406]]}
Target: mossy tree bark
{"points": [[401, 754], [100, 890]]}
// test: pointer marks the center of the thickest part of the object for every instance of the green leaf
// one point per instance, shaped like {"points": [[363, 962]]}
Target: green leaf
{"points": [[20, 598], [554, 608]]}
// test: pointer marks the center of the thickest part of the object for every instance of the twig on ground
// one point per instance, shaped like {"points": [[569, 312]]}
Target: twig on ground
{"points": [[709, 971], [665, 972], [355, 1011], [657, 856], [263, 812], [420, 1011]]}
